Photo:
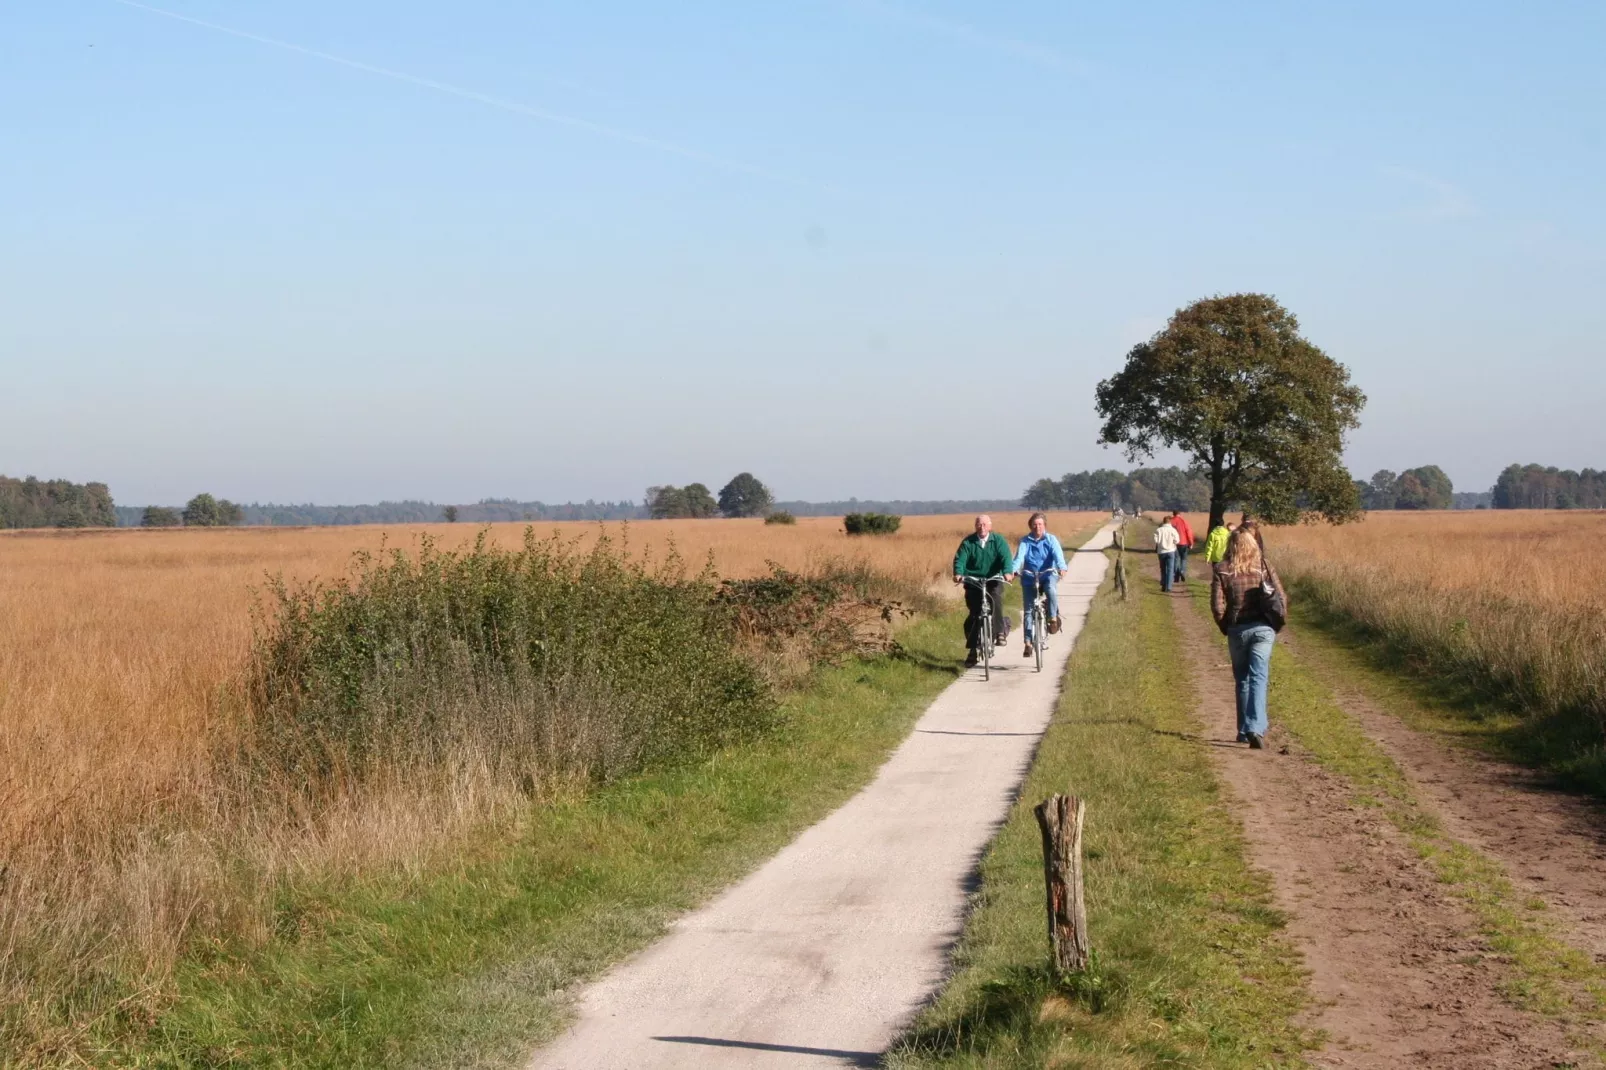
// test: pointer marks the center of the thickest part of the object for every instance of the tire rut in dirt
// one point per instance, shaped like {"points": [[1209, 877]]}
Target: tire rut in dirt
{"points": [[1400, 975], [1552, 845]]}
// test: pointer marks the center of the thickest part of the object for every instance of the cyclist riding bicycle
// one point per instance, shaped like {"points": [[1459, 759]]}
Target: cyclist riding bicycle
{"points": [[983, 556], [1040, 560]]}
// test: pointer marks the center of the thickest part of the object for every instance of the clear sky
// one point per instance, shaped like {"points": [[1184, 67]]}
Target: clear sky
{"points": [[345, 250]]}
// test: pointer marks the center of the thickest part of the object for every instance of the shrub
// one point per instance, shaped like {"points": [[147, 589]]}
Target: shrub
{"points": [[157, 516], [792, 622], [871, 523], [780, 516], [545, 661]]}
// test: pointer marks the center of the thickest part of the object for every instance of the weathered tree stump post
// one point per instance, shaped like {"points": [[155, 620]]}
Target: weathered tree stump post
{"points": [[1120, 560], [1060, 818]]}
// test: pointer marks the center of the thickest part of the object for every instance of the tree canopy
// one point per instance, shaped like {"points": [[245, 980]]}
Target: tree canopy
{"points": [[744, 495], [1260, 411], [54, 503], [691, 501], [1044, 494], [1532, 486], [205, 511]]}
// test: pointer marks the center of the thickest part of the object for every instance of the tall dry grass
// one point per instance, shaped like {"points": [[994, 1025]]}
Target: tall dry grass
{"points": [[122, 671], [1507, 603]]}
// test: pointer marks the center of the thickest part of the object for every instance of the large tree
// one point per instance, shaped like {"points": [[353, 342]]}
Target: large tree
{"points": [[693, 500], [1424, 488], [744, 495], [1259, 410]]}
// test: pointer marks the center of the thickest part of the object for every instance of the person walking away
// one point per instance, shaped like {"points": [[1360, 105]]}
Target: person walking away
{"points": [[1216, 543], [1184, 544], [1165, 544], [983, 555], [1040, 553], [1250, 607]]}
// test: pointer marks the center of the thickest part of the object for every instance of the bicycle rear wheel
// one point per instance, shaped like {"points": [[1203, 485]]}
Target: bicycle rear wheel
{"points": [[1039, 634]]}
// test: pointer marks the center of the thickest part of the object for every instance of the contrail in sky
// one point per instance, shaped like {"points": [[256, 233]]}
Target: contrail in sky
{"points": [[574, 122]]}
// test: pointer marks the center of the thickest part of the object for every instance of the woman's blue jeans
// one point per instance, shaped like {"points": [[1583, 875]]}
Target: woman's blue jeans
{"points": [[1028, 591], [1250, 648]]}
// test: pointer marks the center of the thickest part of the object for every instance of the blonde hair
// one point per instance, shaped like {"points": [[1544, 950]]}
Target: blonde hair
{"points": [[1243, 551]]}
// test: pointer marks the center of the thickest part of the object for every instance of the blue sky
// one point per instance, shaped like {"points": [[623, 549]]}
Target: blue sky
{"points": [[360, 250]]}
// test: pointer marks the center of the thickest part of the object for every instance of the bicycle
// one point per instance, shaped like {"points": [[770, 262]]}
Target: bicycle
{"points": [[984, 630], [1038, 611]]}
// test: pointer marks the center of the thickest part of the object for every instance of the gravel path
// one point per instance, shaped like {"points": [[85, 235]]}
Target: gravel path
{"points": [[823, 954]]}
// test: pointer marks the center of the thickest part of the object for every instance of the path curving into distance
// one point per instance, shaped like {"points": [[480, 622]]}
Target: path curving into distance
{"points": [[823, 954]]}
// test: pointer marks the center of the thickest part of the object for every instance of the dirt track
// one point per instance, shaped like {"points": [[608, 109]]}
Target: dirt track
{"points": [[1397, 966], [1552, 845]]}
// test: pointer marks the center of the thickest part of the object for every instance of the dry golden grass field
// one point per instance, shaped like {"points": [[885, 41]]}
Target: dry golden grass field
{"points": [[1543, 558], [1505, 605], [119, 643], [122, 666]]}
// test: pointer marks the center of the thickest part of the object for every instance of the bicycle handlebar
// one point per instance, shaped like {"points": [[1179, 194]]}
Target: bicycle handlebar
{"points": [[984, 579]]}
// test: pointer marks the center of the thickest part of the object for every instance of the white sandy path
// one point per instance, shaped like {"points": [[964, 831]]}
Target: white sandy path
{"points": [[821, 956]]}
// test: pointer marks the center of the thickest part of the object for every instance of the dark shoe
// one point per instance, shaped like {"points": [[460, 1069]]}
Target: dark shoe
{"points": [[1027, 652], [1054, 626], [971, 657], [1256, 742], [1242, 738]]}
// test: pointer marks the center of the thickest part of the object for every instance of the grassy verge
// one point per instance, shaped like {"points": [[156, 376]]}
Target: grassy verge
{"points": [[465, 963], [1517, 681], [1547, 975], [1189, 965]]}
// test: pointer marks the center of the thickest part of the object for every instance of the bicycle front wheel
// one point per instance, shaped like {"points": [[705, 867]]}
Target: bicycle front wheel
{"points": [[1040, 634], [987, 648]]}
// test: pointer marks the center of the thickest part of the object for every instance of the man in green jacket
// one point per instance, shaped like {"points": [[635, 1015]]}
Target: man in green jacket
{"points": [[984, 556]]}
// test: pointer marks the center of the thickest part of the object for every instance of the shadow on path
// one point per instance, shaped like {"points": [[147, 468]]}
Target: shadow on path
{"points": [[854, 1058]]}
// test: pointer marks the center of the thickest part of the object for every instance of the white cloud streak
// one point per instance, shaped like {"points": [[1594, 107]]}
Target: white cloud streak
{"points": [[612, 133]]}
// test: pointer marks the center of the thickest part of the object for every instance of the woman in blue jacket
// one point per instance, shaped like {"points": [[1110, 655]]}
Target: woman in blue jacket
{"points": [[1040, 552]]}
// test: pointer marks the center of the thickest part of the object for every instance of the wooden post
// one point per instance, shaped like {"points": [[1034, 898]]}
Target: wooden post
{"points": [[1120, 561], [1060, 819]]}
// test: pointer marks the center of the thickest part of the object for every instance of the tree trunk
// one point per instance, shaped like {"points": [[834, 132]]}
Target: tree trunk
{"points": [[1218, 498], [1060, 819]]}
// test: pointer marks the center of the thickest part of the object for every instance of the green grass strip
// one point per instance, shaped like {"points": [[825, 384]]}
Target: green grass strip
{"points": [[1547, 975], [1190, 968], [466, 963]]}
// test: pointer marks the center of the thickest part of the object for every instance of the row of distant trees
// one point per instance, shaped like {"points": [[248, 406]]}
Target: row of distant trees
{"points": [[1107, 488], [1415, 488], [1531, 486], [1427, 487], [744, 495], [203, 511], [55, 503]]}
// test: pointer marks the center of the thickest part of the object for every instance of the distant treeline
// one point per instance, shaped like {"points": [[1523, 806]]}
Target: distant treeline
{"points": [[55, 503], [1531, 486], [898, 507], [505, 510], [491, 510], [1147, 489], [1108, 488]]}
